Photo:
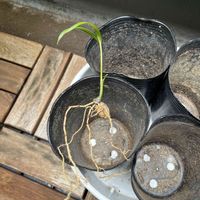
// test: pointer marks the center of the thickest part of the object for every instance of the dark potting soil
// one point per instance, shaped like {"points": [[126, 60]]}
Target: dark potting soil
{"points": [[139, 66], [105, 155], [159, 169], [184, 78], [186, 101], [135, 50]]}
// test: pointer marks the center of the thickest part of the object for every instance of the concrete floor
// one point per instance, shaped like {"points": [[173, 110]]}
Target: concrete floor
{"points": [[42, 20]]}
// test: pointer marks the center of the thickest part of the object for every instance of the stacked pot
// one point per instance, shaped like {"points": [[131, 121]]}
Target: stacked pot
{"points": [[153, 93]]}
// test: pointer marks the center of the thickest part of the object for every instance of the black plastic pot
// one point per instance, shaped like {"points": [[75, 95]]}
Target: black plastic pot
{"points": [[184, 77], [166, 165], [137, 49], [180, 91], [127, 106], [165, 103]]}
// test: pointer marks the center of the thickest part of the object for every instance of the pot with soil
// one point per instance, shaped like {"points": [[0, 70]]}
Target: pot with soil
{"points": [[136, 49], [98, 122], [166, 165], [181, 92], [102, 146], [184, 77]]}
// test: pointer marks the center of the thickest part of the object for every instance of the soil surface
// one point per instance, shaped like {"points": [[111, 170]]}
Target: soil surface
{"points": [[184, 78], [136, 50], [105, 155], [159, 169]]}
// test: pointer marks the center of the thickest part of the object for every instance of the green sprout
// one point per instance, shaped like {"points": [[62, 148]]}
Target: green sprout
{"points": [[94, 108], [94, 32]]}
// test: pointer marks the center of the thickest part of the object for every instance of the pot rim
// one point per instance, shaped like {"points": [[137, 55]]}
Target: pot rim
{"points": [[76, 84], [191, 44], [187, 120], [183, 118], [137, 19]]}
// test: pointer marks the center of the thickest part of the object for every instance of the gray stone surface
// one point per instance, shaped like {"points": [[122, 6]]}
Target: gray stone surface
{"points": [[42, 20]]}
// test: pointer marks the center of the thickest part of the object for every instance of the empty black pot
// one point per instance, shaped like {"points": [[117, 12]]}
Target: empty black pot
{"points": [[166, 165], [184, 77], [137, 49], [165, 103], [129, 112], [180, 91]]}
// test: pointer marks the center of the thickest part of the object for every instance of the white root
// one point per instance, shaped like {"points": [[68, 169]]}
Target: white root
{"points": [[92, 109]]}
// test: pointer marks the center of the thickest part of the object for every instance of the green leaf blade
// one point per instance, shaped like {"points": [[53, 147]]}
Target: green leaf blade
{"points": [[95, 35], [94, 32]]}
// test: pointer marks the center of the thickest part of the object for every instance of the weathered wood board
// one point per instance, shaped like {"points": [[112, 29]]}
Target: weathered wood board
{"points": [[89, 196], [6, 101], [12, 76], [36, 159], [17, 187], [37, 92], [18, 50], [73, 68]]}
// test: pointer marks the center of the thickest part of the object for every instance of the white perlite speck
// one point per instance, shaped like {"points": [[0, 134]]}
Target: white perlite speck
{"points": [[93, 142], [170, 166], [114, 154], [113, 130], [146, 158], [153, 183]]}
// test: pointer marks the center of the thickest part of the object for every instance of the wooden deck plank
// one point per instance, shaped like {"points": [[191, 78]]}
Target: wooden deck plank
{"points": [[37, 91], [16, 187], [35, 159], [6, 100], [18, 50], [12, 76], [89, 196], [73, 68]]}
